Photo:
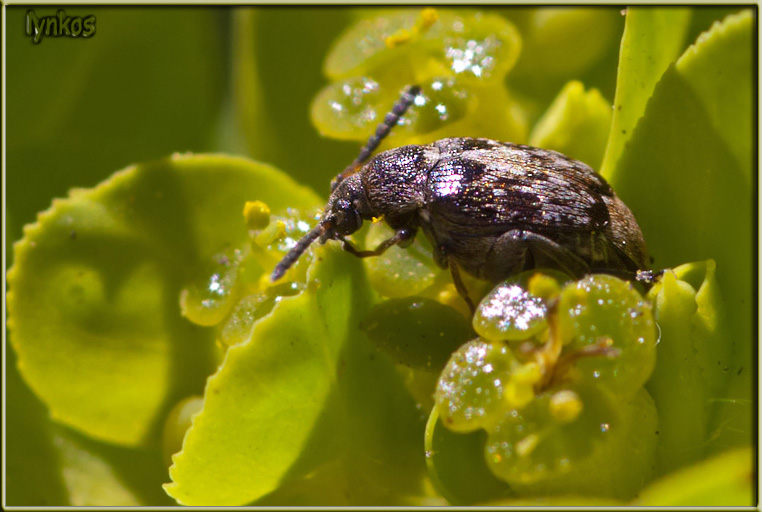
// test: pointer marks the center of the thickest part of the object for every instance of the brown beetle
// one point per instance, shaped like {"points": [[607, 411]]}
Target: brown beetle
{"points": [[491, 208]]}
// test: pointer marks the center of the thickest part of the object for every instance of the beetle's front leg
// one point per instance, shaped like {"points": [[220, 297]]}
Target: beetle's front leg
{"points": [[402, 237], [460, 286], [443, 261]]}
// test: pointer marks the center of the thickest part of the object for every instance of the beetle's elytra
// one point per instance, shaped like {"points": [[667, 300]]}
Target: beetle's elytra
{"points": [[490, 208]]}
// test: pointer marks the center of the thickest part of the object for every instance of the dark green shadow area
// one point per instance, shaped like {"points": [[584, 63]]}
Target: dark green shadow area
{"points": [[367, 446], [32, 473], [148, 83], [290, 47]]}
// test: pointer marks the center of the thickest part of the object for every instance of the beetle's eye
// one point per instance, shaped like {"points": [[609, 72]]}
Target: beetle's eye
{"points": [[347, 219]]}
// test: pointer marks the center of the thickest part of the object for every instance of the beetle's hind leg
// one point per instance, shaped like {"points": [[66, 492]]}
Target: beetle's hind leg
{"points": [[647, 278], [519, 250]]}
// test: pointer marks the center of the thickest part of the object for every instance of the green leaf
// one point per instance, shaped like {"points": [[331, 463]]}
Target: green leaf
{"points": [[90, 480], [691, 192], [576, 124], [94, 291], [306, 389], [438, 40], [49, 465], [726, 480], [458, 57], [652, 40], [693, 355], [269, 392], [417, 332], [728, 43]]}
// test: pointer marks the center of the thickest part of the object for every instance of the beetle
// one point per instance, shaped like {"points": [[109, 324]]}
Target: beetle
{"points": [[490, 208]]}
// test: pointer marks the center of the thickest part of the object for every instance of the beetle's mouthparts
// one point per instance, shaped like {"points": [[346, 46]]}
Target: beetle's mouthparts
{"points": [[290, 258]]}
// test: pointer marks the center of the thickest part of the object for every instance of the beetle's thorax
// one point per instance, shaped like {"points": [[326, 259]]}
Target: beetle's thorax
{"points": [[395, 181]]}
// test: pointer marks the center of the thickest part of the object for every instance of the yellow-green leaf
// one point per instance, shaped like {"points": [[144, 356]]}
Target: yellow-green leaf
{"points": [[305, 391], [691, 374], [576, 124], [652, 40], [726, 480], [94, 291], [691, 189]]}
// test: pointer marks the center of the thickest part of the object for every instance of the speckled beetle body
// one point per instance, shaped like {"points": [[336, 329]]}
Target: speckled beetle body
{"points": [[490, 208], [497, 208]]}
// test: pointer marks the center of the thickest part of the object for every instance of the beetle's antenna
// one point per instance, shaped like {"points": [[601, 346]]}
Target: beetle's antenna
{"points": [[301, 246], [383, 129]]}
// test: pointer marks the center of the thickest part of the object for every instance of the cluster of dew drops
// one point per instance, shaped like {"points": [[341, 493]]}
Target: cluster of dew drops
{"points": [[549, 369], [235, 290]]}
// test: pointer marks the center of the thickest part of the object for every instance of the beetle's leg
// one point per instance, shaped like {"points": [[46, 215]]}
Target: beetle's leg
{"points": [[401, 236], [383, 129], [647, 277], [519, 250], [440, 257], [458, 282]]}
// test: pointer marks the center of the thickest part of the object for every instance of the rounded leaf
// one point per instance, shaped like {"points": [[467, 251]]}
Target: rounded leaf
{"points": [[93, 304], [606, 316]]}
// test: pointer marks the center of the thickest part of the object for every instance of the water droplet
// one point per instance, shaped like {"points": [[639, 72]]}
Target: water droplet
{"points": [[509, 312], [210, 299]]}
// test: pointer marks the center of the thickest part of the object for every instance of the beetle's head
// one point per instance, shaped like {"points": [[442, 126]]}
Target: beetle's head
{"points": [[343, 216], [344, 212]]}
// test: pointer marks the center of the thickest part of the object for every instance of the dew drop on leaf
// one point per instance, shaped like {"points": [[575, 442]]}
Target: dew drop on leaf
{"points": [[509, 312]]}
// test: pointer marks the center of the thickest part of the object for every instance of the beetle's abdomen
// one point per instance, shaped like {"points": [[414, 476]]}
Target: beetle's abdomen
{"points": [[481, 190], [625, 234], [499, 186]]}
